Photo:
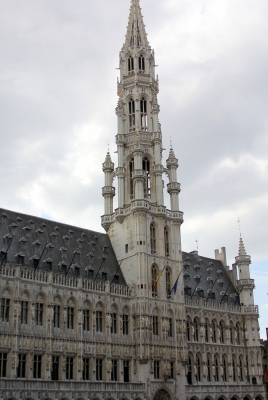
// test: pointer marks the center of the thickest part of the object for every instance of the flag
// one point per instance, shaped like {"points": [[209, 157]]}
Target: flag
{"points": [[175, 286], [266, 371], [157, 279]]}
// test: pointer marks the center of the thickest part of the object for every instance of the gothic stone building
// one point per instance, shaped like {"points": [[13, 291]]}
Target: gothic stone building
{"points": [[126, 314]]}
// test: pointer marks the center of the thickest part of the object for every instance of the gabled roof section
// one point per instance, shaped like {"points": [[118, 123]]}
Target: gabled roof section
{"points": [[136, 35]]}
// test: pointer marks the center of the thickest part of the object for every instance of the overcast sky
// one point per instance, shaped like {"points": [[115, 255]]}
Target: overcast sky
{"points": [[57, 99]]}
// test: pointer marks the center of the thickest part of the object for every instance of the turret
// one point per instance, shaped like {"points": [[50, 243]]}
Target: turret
{"points": [[108, 191], [173, 187], [245, 284]]}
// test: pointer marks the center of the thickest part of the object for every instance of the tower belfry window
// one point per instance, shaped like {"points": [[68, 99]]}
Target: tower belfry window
{"points": [[141, 64], [152, 239], [166, 238], [144, 116], [131, 170], [146, 170], [130, 64], [131, 108]]}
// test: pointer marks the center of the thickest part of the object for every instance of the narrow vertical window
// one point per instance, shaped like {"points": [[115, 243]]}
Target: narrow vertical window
{"points": [[86, 369], [206, 332], [98, 369], [170, 329], [24, 312], [130, 64], [70, 318], [147, 181], [114, 323], [131, 170], [213, 326], [156, 369], [55, 368], [114, 371], [196, 330], [168, 283], [69, 368], [152, 239], [166, 239], [141, 64], [126, 371], [131, 108], [39, 310], [171, 376], [3, 365], [221, 332], [188, 324], [99, 321], [209, 369], [37, 367], [56, 317], [125, 324], [5, 306], [143, 114], [154, 279], [234, 370], [241, 369], [155, 325], [216, 369], [224, 369], [21, 369], [190, 370], [198, 376], [86, 314]]}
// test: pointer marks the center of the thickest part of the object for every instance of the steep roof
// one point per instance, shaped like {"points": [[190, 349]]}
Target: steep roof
{"points": [[64, 246], [202, 275]]}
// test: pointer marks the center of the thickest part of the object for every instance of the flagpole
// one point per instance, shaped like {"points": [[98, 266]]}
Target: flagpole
{"points": [[211, 289], [176, 281], [116, 271], [157, 279], [225, 292], [196, 286]]}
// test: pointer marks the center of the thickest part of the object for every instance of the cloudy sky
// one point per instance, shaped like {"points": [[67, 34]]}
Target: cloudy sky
{"points": [[57, 99]]}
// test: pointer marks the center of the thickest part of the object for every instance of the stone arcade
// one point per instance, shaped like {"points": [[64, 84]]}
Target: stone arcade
{"points": [[126, 315]]}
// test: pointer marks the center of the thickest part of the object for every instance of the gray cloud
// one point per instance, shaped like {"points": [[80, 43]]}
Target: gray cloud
{"points": [[57, 100]]}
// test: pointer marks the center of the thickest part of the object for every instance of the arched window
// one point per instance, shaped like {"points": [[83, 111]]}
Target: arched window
{"points": [[190, 370], [216, 361], [114, 319], [198, 369], [241, 374], [155, 322], [152, 239], [209, 368], [143, 113], [166, 239], [196, 330], [5, 306], [147, 181], [168, 283], [224, 364], [170, 324], [206, 331], [213, 327], [154, 278], [231, 333], [131, 170], [130, 64], [221, 326], [131, 110], [141, 64], [234, 369]]}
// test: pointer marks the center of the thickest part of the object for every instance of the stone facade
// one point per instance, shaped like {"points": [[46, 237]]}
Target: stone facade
{"points": [[127, 314]]}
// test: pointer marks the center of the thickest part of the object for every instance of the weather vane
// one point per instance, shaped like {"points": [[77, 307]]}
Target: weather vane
{"points": [[239, 221]]}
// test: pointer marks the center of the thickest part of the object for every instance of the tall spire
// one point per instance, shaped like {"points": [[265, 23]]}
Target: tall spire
{"points": [[136, 35]]}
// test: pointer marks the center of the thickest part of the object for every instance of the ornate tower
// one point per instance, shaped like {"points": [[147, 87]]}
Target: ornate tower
{"points": [[145, 235]]}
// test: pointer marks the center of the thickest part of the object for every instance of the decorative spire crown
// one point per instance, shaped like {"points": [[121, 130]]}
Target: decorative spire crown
{"points": [[241, 250], [136, 35]]}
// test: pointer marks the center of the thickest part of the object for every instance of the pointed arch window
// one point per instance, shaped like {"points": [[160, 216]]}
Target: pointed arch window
{"points": [[154, 278], [224, 369], [152, 239], [131, 108], [196, 330], [221, 332], [168, 283], [141, 64], [130, 64], [234, 369], [147, 181], [216, 361], [241, 369], [198, 374], [213, 326], [209, 368], [143, 113], [166, 239], [190, 371]]}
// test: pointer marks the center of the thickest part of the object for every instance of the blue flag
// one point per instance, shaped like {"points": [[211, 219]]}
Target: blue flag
{"points": [[175, 286]]}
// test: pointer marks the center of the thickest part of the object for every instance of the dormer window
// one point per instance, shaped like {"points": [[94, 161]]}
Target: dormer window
{"points": [[143, 113], [141, 65], [131, 108], [3, 257], [130, 65], [104, 276], [20, 258], [48, 264]]}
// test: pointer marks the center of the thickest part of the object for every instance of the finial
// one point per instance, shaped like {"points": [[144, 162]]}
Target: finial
{"points": [[239, 226], [108, 151], [170, 143], [196, 244]]}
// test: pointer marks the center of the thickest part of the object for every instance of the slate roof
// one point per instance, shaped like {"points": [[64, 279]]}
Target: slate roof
{"points": [[202, 275], [56, 243]]}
